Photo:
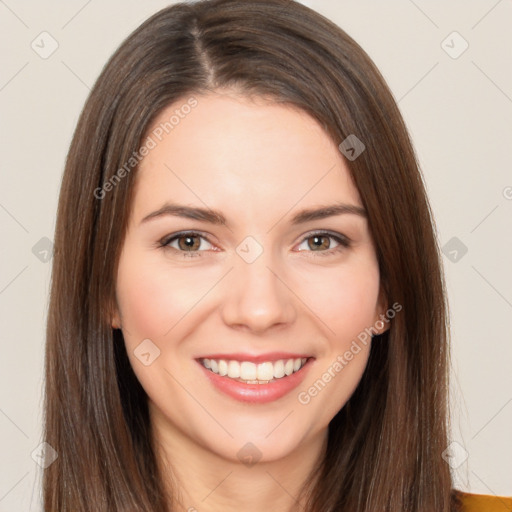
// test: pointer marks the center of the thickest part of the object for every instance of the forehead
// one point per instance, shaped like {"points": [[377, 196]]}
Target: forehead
{"points": [[231, 152]]}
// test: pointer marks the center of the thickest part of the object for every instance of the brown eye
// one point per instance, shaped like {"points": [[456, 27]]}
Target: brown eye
{"points": [[186, 244], [319, 242], [322, 244], [189, 242]]}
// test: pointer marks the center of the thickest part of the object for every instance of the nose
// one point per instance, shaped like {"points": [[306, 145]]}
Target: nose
{"points": [[257, 297]]}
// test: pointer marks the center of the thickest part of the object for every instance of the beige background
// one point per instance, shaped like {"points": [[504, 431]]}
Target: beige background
{"points": [[459, 112]]}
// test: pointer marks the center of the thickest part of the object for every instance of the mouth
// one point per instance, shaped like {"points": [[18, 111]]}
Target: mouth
{"points": [[254, 373], [258, 379]]}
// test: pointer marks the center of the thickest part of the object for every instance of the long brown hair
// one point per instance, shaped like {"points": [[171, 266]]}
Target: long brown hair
{"points": [[385, 446]]}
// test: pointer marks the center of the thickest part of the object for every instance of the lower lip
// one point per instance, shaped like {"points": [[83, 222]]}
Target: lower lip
{"points": [[258, 393]]}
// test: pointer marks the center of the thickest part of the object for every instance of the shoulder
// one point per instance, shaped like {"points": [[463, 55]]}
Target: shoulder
{"points": [[483, 502]]}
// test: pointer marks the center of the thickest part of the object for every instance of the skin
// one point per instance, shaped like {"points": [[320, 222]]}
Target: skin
{"points": [[258, 163]]}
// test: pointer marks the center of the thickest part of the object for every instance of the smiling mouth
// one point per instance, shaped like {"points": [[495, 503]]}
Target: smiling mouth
{"points": [[254, 373]]}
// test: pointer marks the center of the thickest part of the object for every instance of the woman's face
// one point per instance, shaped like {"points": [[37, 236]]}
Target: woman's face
{"points": [[260, 289]]}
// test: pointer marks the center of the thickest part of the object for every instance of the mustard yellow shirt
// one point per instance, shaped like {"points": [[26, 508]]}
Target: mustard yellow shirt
{"points": [[484, 503]]}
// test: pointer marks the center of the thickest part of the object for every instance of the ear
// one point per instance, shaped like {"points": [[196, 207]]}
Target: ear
{"points": [[115, 317], [116, 321], [382, 322]]}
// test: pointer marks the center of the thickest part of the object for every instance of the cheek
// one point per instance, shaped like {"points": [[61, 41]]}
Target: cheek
{"points": [[152, 298], [345, 299]]}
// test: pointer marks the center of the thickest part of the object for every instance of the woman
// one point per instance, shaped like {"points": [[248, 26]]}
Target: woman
{"points": [[247, 308]]}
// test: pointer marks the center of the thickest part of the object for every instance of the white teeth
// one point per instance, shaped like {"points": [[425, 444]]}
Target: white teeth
{"points": [[223, 368], [234, 369], [248, 371], [278, 369], [252, 373], [265, 371]]}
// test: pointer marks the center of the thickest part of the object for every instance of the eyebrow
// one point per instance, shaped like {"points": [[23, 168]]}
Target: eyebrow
{"points": [[217, 218]]}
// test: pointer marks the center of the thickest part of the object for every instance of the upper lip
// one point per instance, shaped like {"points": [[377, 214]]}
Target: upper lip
{"points": [[260, 358]]}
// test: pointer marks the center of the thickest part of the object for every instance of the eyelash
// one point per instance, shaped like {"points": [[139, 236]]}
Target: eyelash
{"points": [[343, 241]]}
